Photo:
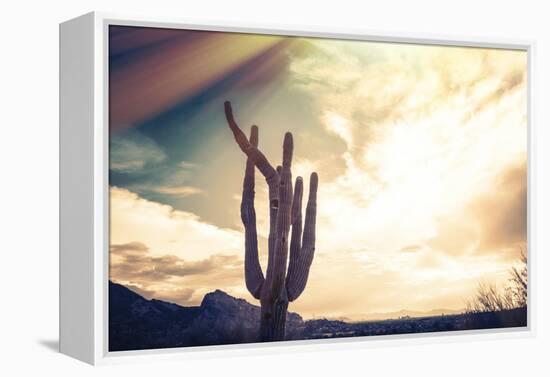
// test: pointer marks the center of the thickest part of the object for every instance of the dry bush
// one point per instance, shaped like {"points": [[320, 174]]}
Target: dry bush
{"points": [[488, 298]]}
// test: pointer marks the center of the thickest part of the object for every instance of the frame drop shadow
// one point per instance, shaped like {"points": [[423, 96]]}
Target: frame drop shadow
{"points": [[51, 344]]}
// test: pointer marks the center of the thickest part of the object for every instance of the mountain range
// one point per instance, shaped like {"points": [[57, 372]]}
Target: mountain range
{"points": [[136, 323]]}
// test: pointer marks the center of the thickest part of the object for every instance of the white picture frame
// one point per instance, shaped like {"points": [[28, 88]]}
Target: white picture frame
{"points": [[84, 199]]}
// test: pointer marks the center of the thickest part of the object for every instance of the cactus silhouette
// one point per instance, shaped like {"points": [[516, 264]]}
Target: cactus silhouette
{"points": [[279, 287]]}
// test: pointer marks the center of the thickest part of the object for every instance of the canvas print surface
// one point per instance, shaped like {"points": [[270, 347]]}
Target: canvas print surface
{"points": [[268, 188]]}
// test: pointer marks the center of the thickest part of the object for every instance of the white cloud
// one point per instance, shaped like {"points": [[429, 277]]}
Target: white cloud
{"points": [[338, 125], [166, 230], [179, 191], [187, 165], [133, 151]]}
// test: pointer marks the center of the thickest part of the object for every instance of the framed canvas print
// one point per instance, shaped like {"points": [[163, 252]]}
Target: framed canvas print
{"points": [[229, 188]]}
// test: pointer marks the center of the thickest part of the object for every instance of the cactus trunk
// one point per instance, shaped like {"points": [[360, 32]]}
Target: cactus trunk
{"points": [[278, 288]]}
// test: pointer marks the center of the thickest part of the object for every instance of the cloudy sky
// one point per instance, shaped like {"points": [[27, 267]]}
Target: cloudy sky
{"points": [[421, 153]]}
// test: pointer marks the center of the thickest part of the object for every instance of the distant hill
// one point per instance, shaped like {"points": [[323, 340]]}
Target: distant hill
{"points": [[137, 323], [406, 313]]}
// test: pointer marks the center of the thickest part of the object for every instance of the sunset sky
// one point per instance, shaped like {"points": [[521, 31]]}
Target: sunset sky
{"points": [[421, 153]]}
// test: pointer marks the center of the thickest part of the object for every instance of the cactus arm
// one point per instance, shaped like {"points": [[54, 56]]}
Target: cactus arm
{"points": [[280, 252], [296, 234], [254, 277], [251, 151], [298, 280], [270, 174]]}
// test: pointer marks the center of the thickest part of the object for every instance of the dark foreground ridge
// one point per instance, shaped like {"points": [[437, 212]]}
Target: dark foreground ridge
{"points": [[136, 323]]}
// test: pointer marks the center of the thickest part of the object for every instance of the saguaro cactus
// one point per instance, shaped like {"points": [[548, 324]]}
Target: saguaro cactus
{"points": [[279, 287]]}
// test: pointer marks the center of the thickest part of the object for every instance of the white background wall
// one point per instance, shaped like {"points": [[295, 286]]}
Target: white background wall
{"points": [[29, 185]]}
